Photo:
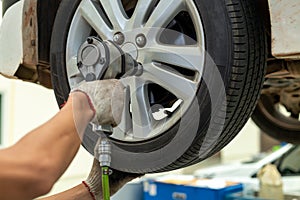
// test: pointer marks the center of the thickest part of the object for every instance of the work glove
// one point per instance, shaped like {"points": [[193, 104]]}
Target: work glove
{"points": [[106, 98], [116, 180]]}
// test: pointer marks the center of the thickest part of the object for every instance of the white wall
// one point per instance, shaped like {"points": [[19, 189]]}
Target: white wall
{"points": [[30, 106], [244, 145]]}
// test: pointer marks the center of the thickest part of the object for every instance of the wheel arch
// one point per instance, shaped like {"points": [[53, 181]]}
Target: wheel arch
{"points": [[37, 22], [46, 12], [265, 15], [33, 30]]}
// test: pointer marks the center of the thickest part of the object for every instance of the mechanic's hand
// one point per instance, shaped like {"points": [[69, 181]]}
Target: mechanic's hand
{"points": [[106, 98], [116, 180]]}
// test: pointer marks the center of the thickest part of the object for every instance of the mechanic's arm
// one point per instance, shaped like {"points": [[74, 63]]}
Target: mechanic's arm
{"points": [[92, 187], [29, 168]]}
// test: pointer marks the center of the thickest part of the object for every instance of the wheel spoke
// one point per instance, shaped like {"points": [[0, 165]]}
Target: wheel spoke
{"points": [[186, 57], [115, 12], [141, 118], [164, 12], [74, 74], [93, 17], [126, 122], [142, 10], [180, 86], [72, 68]]}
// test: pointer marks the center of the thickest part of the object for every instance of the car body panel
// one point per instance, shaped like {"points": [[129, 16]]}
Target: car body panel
{"points": [[285, 28], [11, 47], [246, 172], [30, 33], [244, 169]]}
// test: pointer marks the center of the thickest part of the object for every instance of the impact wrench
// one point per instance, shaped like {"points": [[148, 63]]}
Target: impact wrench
{"points": [[98, 59]]}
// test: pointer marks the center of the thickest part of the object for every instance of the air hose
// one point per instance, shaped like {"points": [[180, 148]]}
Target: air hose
{"points": [[104, 160], [105, 183]]}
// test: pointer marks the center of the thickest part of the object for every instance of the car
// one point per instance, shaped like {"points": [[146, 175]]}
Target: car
{"points": [[286, 159], [193, 69]]}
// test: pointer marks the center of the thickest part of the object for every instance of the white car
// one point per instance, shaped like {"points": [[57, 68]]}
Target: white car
{"points": [[287, 160], [193, 69]]}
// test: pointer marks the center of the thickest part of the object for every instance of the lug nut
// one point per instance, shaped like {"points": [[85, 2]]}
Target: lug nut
{"points": [[141, 40], [119, 38]]}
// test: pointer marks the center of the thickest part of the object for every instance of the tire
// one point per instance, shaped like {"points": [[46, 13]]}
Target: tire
{"points": [[234, 40], [274, 123]]}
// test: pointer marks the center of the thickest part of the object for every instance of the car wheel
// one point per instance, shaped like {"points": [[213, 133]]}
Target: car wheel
{"points": [[203, 65], [275, 120]]}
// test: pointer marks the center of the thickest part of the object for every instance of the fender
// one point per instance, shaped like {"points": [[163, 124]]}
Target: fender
{"points": [[29, 54], [285, 27]]}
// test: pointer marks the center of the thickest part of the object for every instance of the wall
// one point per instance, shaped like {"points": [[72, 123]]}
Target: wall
{"points": [[244, 145]]}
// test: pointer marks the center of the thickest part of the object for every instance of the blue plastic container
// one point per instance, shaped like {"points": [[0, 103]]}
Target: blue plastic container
{"points": [[239, 196], [154, 190]]}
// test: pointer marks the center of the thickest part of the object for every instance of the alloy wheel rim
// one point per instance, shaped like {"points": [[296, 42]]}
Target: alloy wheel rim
{"points": [[168, 66]]}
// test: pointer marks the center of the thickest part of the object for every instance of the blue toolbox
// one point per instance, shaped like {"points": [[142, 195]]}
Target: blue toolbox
{"points": [[155, 190]]}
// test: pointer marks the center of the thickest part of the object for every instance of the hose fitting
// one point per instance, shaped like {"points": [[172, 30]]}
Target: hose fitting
{"points": [[104, 152]]}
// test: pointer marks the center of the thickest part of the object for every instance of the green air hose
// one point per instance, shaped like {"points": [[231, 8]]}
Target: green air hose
{"points": [[105, 183], [104, 150]]}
